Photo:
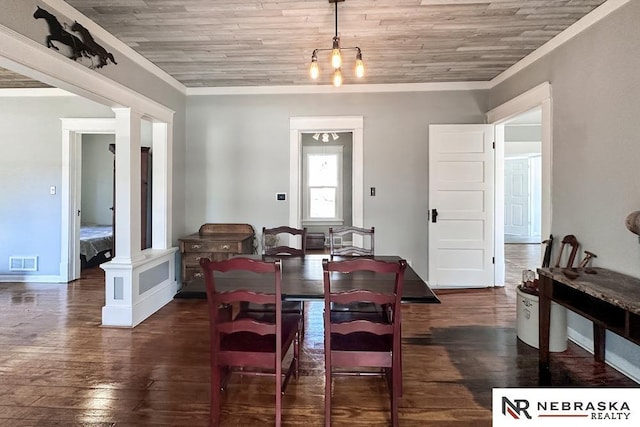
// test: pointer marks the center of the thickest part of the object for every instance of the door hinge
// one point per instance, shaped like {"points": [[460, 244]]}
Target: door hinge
{"points": [[493, 260], [494, 145]]}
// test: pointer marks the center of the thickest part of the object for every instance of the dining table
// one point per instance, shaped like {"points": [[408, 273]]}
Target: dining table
{"points": [[302, 280]]}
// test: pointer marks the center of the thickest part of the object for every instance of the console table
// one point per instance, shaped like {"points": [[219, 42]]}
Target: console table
{"points": [[610, 300], [216, 242]]}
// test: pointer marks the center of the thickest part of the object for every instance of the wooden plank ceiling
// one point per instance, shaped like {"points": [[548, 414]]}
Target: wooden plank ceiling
{"points": [[221, 43]]}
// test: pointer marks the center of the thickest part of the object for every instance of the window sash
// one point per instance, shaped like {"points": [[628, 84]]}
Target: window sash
{"points": [[322, 184]]}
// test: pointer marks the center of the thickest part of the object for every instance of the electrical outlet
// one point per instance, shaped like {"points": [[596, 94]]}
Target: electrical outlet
{"points": [[52, 190]]}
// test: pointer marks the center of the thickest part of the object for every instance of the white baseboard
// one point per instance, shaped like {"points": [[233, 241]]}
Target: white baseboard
{"points": [[611, 358], [22, 278]]}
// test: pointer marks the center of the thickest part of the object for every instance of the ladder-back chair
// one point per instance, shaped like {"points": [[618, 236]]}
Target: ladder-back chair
{"points": [[337, 237], [365, 340], [240, 340]]}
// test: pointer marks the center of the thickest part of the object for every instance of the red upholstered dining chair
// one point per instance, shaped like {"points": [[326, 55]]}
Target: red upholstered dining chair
{"points": [[364, 340], [245, 340]]}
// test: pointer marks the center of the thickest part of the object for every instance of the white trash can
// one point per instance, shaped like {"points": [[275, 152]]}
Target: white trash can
{"points": [[527, 317]]}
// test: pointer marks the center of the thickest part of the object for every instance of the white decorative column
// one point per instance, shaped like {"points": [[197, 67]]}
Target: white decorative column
{"points": [[127, 191], [139, 282], [120, 281]]}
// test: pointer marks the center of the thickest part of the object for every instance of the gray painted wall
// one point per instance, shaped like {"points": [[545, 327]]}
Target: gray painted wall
{"points": [[238, 158], [30, 133], [596, 104], [97, 179], [522, 133], [522, 140]]}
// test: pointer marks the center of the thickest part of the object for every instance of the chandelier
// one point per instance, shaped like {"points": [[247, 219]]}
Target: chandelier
{"points": [[336, 57]]}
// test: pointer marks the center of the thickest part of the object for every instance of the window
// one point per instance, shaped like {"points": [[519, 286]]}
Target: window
{"points": [[322, 183]]}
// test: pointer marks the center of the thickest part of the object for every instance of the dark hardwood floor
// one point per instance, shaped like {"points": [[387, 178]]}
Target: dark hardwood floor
{"points": [[59, 367]]}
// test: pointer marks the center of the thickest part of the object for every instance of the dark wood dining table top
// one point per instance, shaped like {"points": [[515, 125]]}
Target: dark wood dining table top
{"points": [[302, 279]]}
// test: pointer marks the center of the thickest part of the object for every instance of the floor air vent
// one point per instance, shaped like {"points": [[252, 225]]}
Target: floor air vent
{"points": [[23, 263]]}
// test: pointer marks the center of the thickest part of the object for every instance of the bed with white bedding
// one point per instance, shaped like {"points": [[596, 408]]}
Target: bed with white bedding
{"points": [[96, 243]]}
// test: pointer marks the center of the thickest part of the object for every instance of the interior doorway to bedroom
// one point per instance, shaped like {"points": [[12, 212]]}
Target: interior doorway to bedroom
{"points": [[522, 178], [96, 199]]}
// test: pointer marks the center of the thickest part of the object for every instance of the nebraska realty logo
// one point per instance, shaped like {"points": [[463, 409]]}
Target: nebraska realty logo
{"points": [[571, 406]]}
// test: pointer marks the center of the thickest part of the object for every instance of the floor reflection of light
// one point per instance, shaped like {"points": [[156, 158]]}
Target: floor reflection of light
{"points": [[100, 397]]}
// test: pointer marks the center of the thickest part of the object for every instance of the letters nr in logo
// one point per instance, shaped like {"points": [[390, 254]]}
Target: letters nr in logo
{"points": [[516, 409]]}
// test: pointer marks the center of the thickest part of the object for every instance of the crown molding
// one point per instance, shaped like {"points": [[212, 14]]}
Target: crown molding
{"points": [[328, 89], [34, 92], [99, 32], [578, 27]]}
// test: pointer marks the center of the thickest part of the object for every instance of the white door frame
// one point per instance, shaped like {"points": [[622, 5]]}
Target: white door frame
{"points": [[539, 96], [299, 125], [72, 131]]}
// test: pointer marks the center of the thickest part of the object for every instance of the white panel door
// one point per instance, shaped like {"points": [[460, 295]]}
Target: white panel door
{"points": [[516, 197], [461, 198]]}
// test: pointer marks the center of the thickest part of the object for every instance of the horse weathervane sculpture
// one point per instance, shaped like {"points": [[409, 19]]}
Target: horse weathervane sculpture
{"points": [[87, 47]]}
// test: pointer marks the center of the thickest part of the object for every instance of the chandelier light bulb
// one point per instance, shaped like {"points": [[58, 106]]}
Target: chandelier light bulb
{"points": [[359, 65], [337, 77], [336, 56], [314, 70]]}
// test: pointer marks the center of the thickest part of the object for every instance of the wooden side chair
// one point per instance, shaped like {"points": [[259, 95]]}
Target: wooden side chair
{"points": [[339, 233], [337, 248], [272, 246], [366, 340], [240, 340]]}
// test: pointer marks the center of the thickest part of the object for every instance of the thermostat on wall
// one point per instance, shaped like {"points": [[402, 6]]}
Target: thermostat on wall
{"points": [[281, 196]]}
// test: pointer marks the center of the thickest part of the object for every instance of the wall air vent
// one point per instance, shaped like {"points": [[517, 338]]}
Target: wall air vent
{"points": [[23, 263]]}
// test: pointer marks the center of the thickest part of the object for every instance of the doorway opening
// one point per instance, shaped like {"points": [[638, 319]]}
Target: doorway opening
{"points": [[326, 192], [536, 102], [308, 127], [522, 178], [96, 199]]}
